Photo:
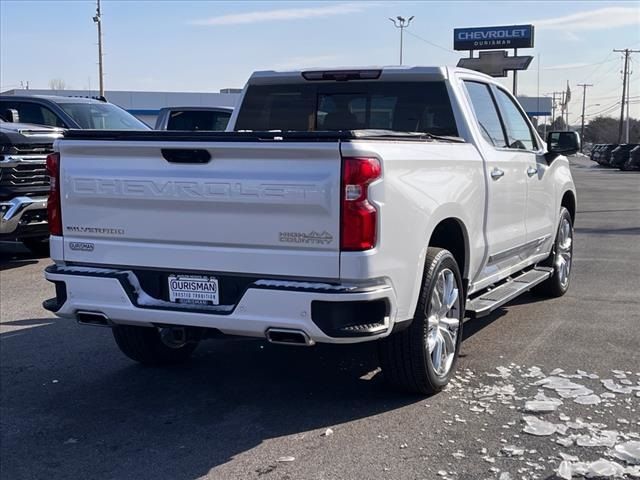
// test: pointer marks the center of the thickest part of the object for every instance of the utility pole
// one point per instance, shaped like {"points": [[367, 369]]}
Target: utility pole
{"points": [[625, 86], [98, 21], [401, 23], [584, 98]]}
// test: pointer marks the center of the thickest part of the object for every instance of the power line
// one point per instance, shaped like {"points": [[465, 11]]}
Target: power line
{"points": [[429, 42]]}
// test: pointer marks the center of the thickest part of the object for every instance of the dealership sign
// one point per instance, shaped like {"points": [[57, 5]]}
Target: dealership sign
{"points": [[489, 38], [496, 63]]}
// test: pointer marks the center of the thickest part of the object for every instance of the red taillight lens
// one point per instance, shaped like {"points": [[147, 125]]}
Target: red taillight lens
{"points": [[359, 219], [54, 213]]}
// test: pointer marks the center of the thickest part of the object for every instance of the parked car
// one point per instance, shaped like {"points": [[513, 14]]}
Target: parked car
{"points": [[24, 184], [346, 206], [194, 118], [620, 155], [604, 155], [595, 150], [68, 112], [633, 163]]}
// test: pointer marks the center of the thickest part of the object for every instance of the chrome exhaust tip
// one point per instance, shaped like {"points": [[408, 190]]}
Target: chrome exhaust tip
{"points": [[96, 319], [288, 336]]}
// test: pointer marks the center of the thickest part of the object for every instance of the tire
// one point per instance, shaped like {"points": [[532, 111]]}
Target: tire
{"points": [[560, 259], [407, 357], [145, 345], [39, 246]]}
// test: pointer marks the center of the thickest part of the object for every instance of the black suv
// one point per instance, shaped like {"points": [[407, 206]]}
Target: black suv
{"points": [[68, 112], [24, 184]]}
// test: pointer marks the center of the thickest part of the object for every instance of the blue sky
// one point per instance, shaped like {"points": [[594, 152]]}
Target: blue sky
{"points": [[207, 45]]}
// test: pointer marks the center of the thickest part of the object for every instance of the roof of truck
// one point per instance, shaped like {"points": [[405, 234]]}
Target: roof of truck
{"points": [[52, 98], [397, 72]]}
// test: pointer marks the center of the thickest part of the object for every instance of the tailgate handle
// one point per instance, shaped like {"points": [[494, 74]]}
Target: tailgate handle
{"points": [[186, 155]]}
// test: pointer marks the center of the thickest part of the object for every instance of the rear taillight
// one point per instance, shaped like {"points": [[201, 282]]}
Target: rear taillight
{"points": [[54, 213], [359, 218]]}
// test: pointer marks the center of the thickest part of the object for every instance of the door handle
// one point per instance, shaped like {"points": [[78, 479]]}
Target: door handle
{"points": [[531, 171], [496, 173]]}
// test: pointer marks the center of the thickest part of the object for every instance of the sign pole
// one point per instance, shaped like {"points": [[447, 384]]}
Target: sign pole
{"points": [[515, 75]]}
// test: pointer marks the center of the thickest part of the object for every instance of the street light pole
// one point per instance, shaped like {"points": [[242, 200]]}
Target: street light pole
{"points": [[98, 21], [401, 23]]}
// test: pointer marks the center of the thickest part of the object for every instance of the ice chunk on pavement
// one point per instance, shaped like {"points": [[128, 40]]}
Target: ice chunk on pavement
{"points": [[563, 387], [628, 451], [556, 371], [605, 438], [505, 476], [513, 451], [564, 470], [604, 469], [612, 386], [565, 442], [588, 400], [286, 459], [535, 426], [542, 403]]}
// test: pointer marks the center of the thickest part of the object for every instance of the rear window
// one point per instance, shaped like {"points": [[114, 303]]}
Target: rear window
{"points": [[102, 116], [398, 106], [197, 120]]}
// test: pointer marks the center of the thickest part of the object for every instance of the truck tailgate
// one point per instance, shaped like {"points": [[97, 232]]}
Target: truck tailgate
{"points": [[253, 208]]}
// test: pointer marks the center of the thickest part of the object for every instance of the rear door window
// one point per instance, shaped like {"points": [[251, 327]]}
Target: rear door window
{"points": [[197, 120], [397, 106], [486, 113], [519, 134]]}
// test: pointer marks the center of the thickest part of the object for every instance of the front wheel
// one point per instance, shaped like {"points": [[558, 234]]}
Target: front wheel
{"points": [[422, 358], [560, 259]]}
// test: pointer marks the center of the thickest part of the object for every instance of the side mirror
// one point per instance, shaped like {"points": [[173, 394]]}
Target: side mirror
{"points": [[12, 115], [562, 143]]}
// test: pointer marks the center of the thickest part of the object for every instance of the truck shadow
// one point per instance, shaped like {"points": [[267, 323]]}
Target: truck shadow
{"points": [[73, 404], [14, 255]]}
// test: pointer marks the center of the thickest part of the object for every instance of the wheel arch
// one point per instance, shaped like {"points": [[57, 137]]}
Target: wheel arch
{"points": [[451, 234], [569, 202]]}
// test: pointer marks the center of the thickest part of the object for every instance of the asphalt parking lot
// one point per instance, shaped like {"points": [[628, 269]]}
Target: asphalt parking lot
{"points": [[72, 406]]}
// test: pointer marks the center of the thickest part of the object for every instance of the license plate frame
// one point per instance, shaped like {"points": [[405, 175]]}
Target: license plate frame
{"points": [[194, 289]]}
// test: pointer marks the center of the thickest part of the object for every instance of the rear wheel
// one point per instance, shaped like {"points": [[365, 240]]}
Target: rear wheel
{"points": [[422, 358], [39, 245], [154, 346], [561, 260]]}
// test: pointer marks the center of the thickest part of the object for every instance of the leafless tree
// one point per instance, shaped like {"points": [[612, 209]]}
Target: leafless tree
{"points": [[57, 84]]}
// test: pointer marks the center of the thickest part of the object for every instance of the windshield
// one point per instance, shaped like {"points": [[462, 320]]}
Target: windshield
{"points": [[102, 116], [396, 106]]}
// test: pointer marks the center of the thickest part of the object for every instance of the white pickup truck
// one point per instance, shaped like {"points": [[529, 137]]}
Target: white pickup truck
{"points": [[340, 206]]}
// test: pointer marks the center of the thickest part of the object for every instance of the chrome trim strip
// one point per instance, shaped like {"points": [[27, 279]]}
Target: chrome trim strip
{"points": [[515, 251]]}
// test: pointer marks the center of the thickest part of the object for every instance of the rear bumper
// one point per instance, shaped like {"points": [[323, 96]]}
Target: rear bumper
{"points": [[22, 217], [325, 313]]}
